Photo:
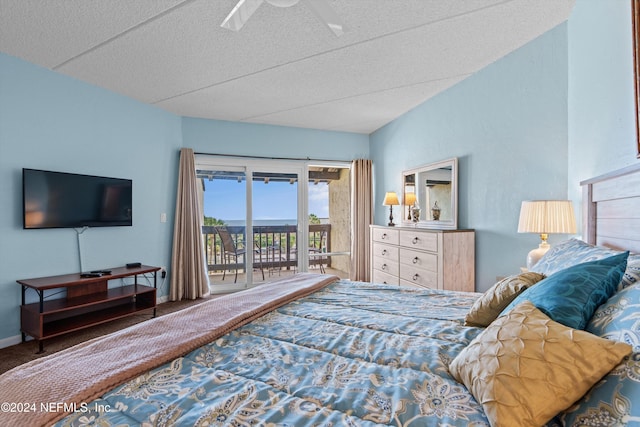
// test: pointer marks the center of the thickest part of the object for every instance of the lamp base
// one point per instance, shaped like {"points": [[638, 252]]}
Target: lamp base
{"points": [[534, 256]]}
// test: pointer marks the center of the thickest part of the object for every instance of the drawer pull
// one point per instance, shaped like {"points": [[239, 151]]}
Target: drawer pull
{"points": [[384, 252], [415, 277], [415, 240], [415, 260], [384, 236], [384, 266]]}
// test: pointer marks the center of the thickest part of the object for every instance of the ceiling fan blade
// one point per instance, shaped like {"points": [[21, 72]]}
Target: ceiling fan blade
{"points": [[327, 15], [240, 14]]}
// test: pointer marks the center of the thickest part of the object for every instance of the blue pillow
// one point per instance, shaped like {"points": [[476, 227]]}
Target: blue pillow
{"points": [[615, 397], [572, 295], [569, 253]]}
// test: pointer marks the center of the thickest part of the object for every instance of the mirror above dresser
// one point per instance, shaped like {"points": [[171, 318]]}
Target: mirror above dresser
{"points": [[430, 195]]}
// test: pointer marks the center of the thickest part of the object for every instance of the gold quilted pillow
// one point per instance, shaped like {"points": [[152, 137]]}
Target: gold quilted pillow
{"points": [[498, 297], [525, 368]]}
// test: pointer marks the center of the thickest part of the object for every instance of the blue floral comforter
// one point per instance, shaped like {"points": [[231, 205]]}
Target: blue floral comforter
{"points": [[352, 354]]}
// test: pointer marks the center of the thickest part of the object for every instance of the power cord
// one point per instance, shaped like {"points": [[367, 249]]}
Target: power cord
{"points": [[148, 277]]}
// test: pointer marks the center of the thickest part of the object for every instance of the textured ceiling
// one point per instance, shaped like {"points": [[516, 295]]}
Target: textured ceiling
{"points": [[284, 67]]}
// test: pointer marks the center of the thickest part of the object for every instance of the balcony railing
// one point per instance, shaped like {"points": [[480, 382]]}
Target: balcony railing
{"points": [[273, 246]]}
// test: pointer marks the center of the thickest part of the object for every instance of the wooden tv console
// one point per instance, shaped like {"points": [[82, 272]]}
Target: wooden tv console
{"points": [[88, 302]]}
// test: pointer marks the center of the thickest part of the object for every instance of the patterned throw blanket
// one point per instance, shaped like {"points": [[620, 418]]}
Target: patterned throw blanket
{"points": [[47, 389]]}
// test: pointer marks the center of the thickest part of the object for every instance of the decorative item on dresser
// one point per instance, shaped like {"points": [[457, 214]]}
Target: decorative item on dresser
{"points": [[437, 259]]}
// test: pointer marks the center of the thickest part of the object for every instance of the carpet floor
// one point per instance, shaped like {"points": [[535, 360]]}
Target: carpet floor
{"points": [[18, 354]]}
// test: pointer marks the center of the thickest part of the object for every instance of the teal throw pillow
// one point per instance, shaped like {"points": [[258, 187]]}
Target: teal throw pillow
{"points": [[571, 296]]}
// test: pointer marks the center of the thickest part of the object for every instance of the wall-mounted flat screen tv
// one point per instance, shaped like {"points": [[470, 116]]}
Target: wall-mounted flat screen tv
{"points": [[67, 200]]}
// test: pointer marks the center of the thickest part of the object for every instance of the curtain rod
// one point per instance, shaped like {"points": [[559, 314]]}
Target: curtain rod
{"points": [[272, 158]]}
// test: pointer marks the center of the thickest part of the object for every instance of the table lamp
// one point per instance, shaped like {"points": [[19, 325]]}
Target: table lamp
{"points": [[545, 217], [409, 200], [391, 200]]}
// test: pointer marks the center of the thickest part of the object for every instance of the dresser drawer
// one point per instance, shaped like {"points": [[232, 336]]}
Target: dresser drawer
{"points": [[411, 285], [385, 265], [418, 276], [385, 235], [419, 240], [418, 259], [387, 252], [381, 277]]}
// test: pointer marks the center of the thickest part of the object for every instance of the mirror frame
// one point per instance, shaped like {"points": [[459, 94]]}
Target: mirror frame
{"points": [[451, 224]]}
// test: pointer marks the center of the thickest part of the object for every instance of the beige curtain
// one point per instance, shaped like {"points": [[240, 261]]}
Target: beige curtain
{"points": [[361, 218], [189, 278]]}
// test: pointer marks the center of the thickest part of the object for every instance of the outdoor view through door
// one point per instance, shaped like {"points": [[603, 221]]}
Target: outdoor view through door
{"points": [[329, 219], [252, 240]]}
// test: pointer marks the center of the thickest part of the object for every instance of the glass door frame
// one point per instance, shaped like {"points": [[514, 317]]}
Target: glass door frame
{"points": [[302, 222], [250, 166], [216, 163]]}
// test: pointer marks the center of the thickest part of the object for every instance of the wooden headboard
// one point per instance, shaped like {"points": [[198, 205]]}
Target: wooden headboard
{"points": [[611, 209]]}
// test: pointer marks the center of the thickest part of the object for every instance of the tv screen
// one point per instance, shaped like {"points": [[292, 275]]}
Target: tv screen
{"points": [[67, 200]]}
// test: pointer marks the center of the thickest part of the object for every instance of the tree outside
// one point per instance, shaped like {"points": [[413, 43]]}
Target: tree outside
{"points": [[209, 220]]}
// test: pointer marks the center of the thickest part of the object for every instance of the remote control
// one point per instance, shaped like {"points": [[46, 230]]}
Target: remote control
{"points": [[91, 275]]}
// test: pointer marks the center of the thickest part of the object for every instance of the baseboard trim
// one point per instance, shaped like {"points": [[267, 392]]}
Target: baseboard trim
{"points": [[8, 342], [162, 299]]}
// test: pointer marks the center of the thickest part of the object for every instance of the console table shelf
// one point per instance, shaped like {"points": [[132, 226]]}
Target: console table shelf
{"points": [[89, 302], [54, 328]]}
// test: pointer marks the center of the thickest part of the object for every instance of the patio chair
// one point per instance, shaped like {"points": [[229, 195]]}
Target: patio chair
{"points": [[231, 250], [321, 248]]}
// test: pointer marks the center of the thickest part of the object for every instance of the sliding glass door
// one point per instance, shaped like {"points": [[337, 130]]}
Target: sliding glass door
{"points": [[275, 220], [265, 219], [250, 225], [228, 247]]}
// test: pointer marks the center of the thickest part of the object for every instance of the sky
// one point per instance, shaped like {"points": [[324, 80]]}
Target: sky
{"points": [[226, 200]]}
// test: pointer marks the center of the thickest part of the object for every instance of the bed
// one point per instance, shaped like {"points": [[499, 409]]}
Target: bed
{"points": [[316, 350]]}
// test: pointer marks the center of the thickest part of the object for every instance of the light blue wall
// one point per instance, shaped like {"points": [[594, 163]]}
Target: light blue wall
{"points": [[49, 121], [222, 137], [602, 134], [507, 124]]}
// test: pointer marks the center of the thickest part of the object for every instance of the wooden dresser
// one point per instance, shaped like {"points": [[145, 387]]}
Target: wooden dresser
{"points": [[437, 259]]}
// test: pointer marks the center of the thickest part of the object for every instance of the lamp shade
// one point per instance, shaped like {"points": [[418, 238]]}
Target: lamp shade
{"points": [[547, 217], [390, 199], [409, 199]]}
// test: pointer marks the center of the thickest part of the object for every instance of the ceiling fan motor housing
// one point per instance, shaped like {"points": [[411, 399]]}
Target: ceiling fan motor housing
{"points": [[282, 3]]}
